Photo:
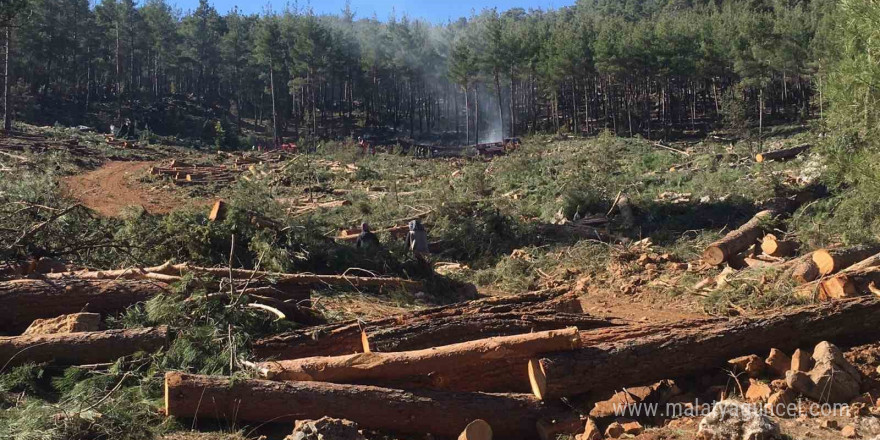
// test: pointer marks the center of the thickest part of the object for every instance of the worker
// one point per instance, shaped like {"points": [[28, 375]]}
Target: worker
{"points": [[366, 146], [124, 131], [417, 239], [367, 240]]}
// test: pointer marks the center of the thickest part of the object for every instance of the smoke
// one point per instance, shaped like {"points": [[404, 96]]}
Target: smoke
{"points": [[491, 124]]}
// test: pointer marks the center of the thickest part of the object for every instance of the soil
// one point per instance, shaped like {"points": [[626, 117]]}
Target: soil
{"points": [[114, 186]]}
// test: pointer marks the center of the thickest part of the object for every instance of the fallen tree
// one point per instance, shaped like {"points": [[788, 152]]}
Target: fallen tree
{"points": [[80, 348], [441, 413], [682, 351], [480, 365], [426, 328], [785, 153], [26, 300], [739, 239], [833, 260]]}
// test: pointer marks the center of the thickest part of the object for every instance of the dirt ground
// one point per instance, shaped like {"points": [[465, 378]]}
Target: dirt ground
{"points": [[114, 186]]}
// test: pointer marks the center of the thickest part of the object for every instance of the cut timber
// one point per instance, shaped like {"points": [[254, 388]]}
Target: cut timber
{"points": [[218, 211], [466, 366], [774, 247], [441, 413], [739, 239], [423, 328], [805, 270], [786, 153], [476, 430], [833, 260], [23, 301], [80, 348], [686, 350]]}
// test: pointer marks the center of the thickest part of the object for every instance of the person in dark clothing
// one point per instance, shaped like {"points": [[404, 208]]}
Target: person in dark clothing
{"points": [[417, 239], [367, 240]]}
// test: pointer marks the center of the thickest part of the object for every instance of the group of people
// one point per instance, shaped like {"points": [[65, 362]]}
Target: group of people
{"points": [[416, 239]]}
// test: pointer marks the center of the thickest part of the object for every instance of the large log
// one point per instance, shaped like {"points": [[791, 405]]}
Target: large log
{"points": [[466, 366], [804, 270], [23, 301], [739, 239], [80, 348], [786, 153], [441, 413], [833, 260], [425, 328], [774, 247], [688, 350]]}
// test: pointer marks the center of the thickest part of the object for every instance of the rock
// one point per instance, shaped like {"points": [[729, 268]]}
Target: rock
{"points": [[631, 427], [800, 361], [326, 428], [849, 431], [751, 364], [758, 391], [778, 362], [591, 431], [731, 420], [76, 322], [828, 424], [782, 403], [622, 401], [832, 379], [779, 384], [614, 430]]}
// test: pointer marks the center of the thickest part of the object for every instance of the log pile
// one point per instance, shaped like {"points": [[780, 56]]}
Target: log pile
{"points": [[184, 174]]}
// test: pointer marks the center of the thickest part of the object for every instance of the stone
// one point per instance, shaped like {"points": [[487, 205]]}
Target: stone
{"points": [[631, 427], [801, 361], [849, 431], [591, 431], [325, 428], [732, 420], [752, 364], [782, 403], [832, 379], [779, 384], [778, 362], [828, 424], [622, 401], [614, 430], [73, 323], [758, 391]]}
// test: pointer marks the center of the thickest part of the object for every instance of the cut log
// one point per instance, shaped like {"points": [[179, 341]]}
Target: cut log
{"points": [[786, 153], [466, 366], [692, 349], [425, 328], [738, 240], [833, 260], [23, 301], [441, 413], [476, 430], [218, 211], [805, 270], [774, 247], [80, 348]]}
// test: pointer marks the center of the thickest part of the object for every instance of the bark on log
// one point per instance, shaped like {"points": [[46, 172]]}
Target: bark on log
{"points": [[739, 239], [688, 350], [80, 348], [774, 247], [440, 413], [833, 260], [786, 153], [466, 366], [805, 270], [424, 328], [23, 301]]}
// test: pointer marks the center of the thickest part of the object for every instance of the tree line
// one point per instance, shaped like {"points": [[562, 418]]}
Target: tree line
{"points": [[637, 67]]}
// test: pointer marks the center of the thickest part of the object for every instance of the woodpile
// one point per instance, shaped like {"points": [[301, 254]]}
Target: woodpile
{"points": [[184, 174]]}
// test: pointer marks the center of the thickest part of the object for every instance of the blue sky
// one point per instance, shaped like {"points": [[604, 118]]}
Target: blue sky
{"points": [[437, 11]]}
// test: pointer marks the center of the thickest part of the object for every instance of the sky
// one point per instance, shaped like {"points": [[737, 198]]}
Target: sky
{"points": [[437, 11]]}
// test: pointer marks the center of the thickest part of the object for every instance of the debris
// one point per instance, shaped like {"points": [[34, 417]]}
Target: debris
{"points": [[832, 378], [758, 391], [730, 420], [218, 211], [786, 153], [828, 424], [622, 402], [512, 416], [81, 348], [752, 365], [780, 403], [849, 431], [591, 431], [614, 430], [778, 362], [73, 323], [325, 428]]}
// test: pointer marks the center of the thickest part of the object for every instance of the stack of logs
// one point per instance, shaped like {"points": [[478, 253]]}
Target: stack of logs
{"points": [[185, 174]]}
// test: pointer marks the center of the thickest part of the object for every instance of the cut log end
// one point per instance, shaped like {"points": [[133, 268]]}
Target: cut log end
{"points": [[365, 341], [759, 157], [714, 255], [477, 430], [218, 211], [824, 261], [537, 378]]}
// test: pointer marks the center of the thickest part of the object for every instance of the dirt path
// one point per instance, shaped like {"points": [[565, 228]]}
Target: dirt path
{"points": [[113, 187]]}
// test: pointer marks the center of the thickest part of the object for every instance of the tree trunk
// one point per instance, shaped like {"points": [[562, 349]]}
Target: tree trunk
{"points": [[80, 348], [7, 113], [430, 327], [783, 154], [832, 260], [493, 364], [26, 300], [774, 247], [739, 239], [692, 349], [444, 414]]}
